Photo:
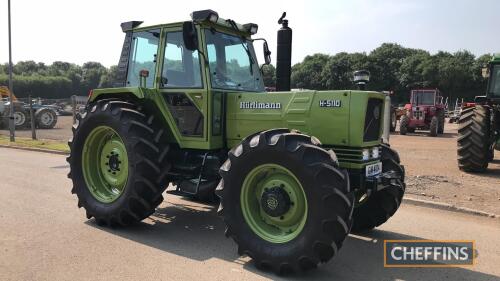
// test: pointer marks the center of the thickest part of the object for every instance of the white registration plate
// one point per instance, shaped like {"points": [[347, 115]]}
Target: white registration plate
{"points": [[374, 169]]}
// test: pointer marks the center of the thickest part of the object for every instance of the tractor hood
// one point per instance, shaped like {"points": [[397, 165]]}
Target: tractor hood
{"points": [[336, 118]]}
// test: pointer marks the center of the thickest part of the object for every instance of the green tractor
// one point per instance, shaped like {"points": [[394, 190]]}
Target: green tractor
{"points": [[295, 171], [479, 125]]}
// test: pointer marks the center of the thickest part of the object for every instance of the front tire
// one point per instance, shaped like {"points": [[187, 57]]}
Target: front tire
{"points": [[403, 125], [285, 201], [434, 127], [381, 205], [118, 163], [394, 122], [473, 142]]}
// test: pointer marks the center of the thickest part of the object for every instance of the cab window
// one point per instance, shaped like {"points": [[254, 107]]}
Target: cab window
{"points": [[181, 67], [144, 50]]}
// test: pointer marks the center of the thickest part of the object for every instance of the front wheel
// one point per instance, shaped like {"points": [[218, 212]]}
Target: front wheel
{"points": [[394, 122], [285, 201], [403, 125], [377, 208], [434, 127]]}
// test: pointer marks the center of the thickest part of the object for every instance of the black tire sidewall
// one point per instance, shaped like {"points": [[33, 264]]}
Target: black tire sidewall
{"points": [[87, 124], [306, 179]]}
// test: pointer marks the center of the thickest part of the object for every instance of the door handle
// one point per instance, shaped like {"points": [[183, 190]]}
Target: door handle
{"points": [[198, 97]]}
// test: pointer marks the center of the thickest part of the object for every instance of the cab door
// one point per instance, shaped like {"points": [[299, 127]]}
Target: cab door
{"points": [[183, 89]]}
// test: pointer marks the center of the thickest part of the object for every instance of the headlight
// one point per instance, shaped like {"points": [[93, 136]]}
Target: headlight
{"points": [[366, 154], [375, 152]]}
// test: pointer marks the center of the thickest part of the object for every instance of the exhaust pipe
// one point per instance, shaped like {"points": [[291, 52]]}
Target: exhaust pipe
{"points": [[386, 133], [284, 55]]}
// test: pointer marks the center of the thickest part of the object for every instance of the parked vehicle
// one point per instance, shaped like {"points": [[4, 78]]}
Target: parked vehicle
{"points": [[479, 124], [295, 171], [425, 111], [45, 116]]}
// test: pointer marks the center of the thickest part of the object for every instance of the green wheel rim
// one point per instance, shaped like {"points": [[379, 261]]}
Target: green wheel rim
{"points": [[275, 229], [105, 164]]}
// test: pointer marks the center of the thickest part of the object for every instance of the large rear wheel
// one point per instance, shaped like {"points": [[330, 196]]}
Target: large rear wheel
{"points": [[117, 163], [473, 140], [285, 201], [46, 118]]}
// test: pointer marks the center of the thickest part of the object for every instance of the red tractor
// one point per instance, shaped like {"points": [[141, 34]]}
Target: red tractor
{"points": [[424, 112]]}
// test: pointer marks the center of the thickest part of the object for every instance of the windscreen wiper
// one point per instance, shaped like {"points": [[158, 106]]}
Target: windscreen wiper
{"points": [[235, 27]]}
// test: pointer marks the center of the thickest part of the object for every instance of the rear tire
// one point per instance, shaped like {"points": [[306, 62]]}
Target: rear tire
{"points": [[403, 124], [139, 142], [474, 139], [326, 199], [45, 118], [441, 122], [434, 127], [491, 156], [381, 205], [21, 117], [394, 122]]}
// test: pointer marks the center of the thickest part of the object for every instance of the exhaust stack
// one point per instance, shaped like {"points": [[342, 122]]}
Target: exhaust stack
{"points": [[284, 55]]}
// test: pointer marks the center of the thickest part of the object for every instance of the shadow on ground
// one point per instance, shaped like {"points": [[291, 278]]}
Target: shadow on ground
{"points": [[426, 134], [194, 231]]}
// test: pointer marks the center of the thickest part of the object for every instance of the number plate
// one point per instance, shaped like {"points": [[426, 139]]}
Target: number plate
{"points": [[373, 169]]}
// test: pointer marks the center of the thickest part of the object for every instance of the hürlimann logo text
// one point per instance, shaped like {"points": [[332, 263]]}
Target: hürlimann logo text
{"points": [[428, 253], [259, 105]]}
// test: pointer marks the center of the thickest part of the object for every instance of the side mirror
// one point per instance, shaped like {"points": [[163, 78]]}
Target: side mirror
{"points": [[267, 54], [485, 72], [190, 36]]}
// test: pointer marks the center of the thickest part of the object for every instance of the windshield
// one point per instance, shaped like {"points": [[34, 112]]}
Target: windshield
{"points": [[423, 97], [232, 63], [494, 87]]}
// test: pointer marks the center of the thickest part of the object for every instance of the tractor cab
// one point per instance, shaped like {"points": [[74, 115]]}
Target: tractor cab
{"points": [[494, 78]]}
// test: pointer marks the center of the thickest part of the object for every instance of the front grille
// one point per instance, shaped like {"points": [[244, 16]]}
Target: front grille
{"points": [[418, 114], [347, 154], [373, 120]]}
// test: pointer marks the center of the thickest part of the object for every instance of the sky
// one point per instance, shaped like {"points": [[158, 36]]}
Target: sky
{"points": [[80, 31]]}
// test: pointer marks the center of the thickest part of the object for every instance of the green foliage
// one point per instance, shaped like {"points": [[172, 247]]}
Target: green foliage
{"points": [[58, 80], [269, 75], [395, 68], [39, 86]]}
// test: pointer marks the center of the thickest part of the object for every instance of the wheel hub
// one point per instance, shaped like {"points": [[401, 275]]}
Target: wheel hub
{"points": [[114, 162], [275, 201]]}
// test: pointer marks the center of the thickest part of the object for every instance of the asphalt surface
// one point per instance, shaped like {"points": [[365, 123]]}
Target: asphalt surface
{"points": [[44, 236]]}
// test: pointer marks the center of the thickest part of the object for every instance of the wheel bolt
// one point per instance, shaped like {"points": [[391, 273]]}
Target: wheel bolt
{"points": [[282, 217], [109, 171], [107, 156], [114, 173]]}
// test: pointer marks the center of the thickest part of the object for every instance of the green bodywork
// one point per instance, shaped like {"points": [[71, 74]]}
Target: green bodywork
{"points": [[340, 128]]}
